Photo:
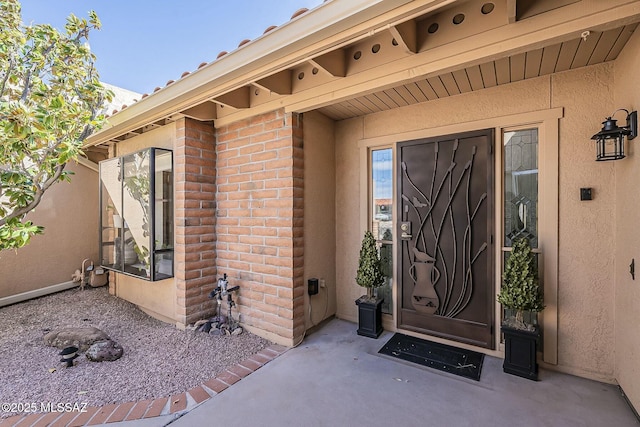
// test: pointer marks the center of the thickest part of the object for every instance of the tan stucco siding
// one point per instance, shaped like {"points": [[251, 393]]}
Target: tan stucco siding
{"points": [[627, 176], [585, 286], [319, 215], [348, 233], [586, 263], [69, 213]]}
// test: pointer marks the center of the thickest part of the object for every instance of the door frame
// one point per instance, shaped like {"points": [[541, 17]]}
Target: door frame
{"points": [[547, 122]]}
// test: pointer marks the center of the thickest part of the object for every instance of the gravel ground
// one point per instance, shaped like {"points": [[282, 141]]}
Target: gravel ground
{"points": [[159, 360]]}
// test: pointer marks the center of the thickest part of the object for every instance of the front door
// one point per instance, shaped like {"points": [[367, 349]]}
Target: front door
{"points": [[445, 225]]}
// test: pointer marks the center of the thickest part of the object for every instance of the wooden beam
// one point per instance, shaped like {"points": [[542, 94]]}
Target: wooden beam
{"points": [[279, 83], [406, 35], [333, 63], [511, 10], [238, 98], [203, 112], [509, 40]]}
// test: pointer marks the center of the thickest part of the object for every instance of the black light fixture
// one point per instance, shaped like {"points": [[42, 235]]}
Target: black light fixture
{"points": [[69, 354], [610, 140]]}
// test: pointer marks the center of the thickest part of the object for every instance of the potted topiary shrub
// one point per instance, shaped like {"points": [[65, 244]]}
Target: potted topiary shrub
{"points": [[521, 297], [369, 276]]}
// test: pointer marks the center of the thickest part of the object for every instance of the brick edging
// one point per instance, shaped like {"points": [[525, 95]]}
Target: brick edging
{"points": [[130, 411]]}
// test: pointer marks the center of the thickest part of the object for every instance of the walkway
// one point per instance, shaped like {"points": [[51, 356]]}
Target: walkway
{"points": [[336, 378]]}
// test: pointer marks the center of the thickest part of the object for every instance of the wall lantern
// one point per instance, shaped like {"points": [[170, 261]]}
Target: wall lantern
{"points": [[610, 140]]}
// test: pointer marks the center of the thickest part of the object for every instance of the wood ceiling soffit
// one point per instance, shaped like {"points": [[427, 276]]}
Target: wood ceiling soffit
{"points": [[368, 104], [550, 55], [517, 66], [622, 40], [606, 42], [404, 92], [375, 99], [386, 99], [426, 88], [238, 98], [279, 83], [344, 112], [360, 107], [334, 63], [406, 35], [416, 92], [450, 84], [567, 53], [438, 87], [533, 62], [203, 112], [585, 49]]}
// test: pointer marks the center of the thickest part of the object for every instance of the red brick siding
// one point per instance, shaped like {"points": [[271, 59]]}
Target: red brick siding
{"points": [[259, 224], [194, 160]]}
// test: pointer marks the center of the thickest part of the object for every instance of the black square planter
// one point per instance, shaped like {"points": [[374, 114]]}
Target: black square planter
{"points": [[520, 349], [369, 317]]}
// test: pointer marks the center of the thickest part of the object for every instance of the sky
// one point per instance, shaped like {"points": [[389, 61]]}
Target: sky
{"points": [[145, 43]]}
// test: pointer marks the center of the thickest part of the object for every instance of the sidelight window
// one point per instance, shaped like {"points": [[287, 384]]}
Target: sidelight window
{"points": [[521, 186], [382, 217]]}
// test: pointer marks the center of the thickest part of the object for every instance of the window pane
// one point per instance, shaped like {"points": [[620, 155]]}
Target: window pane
{"points": [[137, 185], [111, 203], [163, 239], [382, 221], [521, 186], [163, 198]]}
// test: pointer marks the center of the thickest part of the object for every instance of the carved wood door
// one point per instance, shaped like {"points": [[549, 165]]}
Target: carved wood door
{"points": [[445, 224]]}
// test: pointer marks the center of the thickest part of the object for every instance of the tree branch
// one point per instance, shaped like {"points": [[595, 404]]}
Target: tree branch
{"points": [[21, 212]]}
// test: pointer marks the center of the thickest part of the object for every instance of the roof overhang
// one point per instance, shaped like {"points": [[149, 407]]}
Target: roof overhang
{"points": [[324, 38], [326, 27]]}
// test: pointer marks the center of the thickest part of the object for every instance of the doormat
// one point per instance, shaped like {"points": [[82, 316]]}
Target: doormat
{"points": [[442, 357]]}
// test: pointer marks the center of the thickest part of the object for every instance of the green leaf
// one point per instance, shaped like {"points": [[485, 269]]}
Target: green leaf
{"points": [[43, 129]]}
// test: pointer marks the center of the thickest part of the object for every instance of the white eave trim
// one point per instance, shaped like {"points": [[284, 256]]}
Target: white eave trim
{"points": [[286, 45]]}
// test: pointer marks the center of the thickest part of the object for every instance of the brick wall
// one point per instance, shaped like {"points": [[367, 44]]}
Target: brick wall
{"points": [[259, 224], [194, 160]]}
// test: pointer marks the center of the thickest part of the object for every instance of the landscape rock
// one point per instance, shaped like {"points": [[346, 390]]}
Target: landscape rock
{"points": [[83, 338], [104, 351]]}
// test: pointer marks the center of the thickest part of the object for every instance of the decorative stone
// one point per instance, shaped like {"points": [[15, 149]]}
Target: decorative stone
{"points": [[199, 323], [105, 351], [237, 331], [83, 338]]}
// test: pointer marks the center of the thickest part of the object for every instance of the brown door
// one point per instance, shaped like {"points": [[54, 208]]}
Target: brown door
{"points": [[445, 224]]}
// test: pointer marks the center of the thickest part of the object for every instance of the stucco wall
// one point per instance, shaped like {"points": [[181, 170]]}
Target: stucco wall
{"points": [[70, 217], [585, 286], [585, 282], [319, 215], [627, 176], [348, 232], [157, 298]]}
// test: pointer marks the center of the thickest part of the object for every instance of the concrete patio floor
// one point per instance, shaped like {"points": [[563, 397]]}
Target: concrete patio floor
{"points": [[336, 378]]}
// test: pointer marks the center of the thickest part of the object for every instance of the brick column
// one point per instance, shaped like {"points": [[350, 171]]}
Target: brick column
{"points": [[259, 225], [194, 161]]}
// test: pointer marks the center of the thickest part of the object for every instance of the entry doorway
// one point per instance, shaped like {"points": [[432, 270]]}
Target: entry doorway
{"points": [[445, 207]]}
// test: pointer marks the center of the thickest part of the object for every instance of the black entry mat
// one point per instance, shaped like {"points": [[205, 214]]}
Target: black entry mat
{"points": [[442, 357]]}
